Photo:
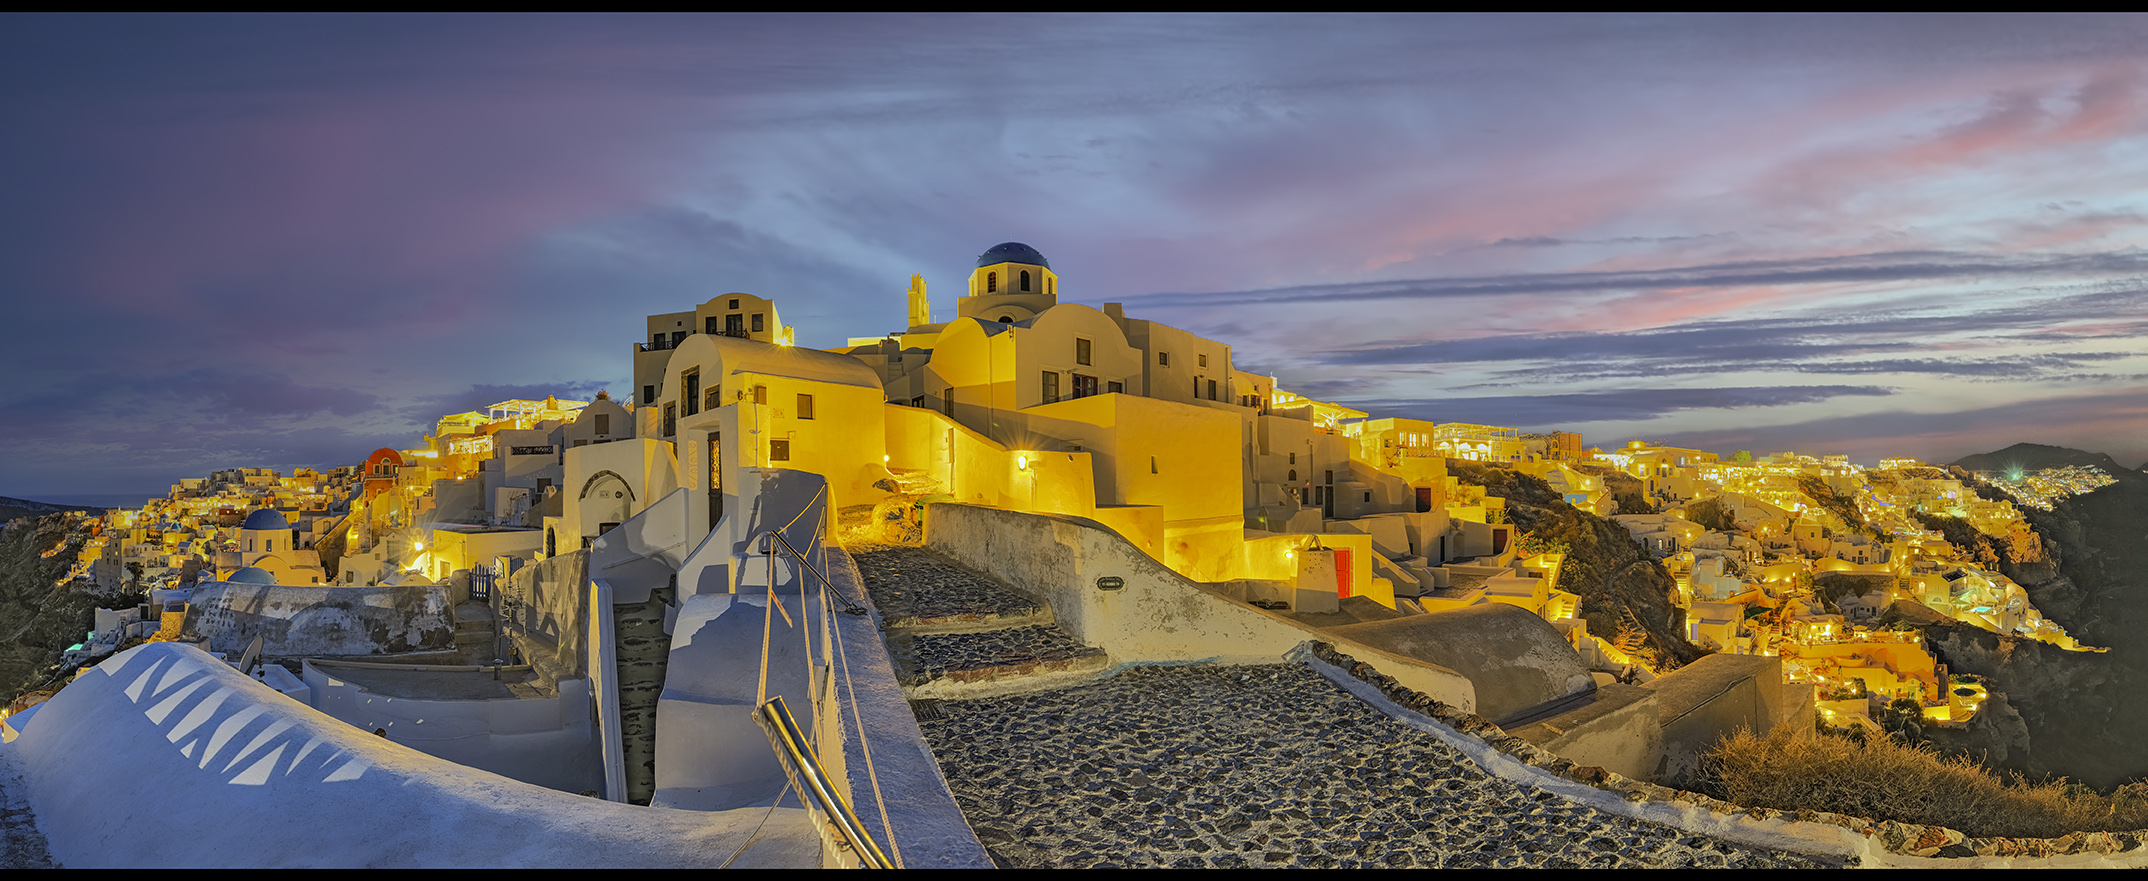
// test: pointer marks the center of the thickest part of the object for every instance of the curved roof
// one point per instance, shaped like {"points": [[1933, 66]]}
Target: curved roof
{"points": [[1011, 252], [758, 357], [251, 575], [266, 518]]}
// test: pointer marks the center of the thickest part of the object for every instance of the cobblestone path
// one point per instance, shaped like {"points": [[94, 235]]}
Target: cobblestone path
{"points": [[1263, 766], [948, 628]]}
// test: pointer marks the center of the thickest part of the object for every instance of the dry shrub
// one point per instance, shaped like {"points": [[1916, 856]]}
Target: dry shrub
{"points": [[1883, 779]]}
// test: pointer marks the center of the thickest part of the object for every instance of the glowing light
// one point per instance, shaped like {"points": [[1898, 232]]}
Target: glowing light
{"points": [[1021, 462]]}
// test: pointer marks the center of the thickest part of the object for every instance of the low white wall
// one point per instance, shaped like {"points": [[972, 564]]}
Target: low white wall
{"points": [[1158, 615], [550, 741], [164, 757]]}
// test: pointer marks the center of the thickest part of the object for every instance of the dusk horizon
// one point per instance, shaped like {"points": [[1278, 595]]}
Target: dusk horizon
{"points": [[285, 241]]}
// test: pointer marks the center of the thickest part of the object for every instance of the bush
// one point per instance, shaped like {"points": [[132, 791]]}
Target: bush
{"points": [[1882, 779]]}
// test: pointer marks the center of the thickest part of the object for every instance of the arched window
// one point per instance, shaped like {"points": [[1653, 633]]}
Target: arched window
{"points": [[991, 282], [551, 543], [1006, 319], [1294, 475], [1025, 281]]}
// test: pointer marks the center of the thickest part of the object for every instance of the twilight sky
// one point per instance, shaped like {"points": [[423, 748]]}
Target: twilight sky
{"points": [[286, 241]]}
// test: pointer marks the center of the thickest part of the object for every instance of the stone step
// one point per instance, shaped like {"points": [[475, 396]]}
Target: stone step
{"points": [[935, 661], [916, 589]]}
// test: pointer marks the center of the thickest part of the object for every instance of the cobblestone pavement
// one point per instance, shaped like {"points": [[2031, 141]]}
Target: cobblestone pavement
{"points": [[914, 586], [1263, 766], [995, 654]]}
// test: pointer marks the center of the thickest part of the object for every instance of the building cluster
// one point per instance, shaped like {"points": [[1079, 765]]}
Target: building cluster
{"points": [[2043, 488], [1747, 577]]}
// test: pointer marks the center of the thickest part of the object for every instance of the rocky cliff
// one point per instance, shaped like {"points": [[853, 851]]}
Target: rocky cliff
{"points": [[2084, 712], [39, 618]]}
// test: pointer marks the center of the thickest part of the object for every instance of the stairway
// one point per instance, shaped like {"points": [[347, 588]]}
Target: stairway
{"points": [[475, 634], [954, 633]]}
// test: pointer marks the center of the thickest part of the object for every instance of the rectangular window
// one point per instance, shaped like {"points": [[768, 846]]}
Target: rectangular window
{"points": [[734, 325], [805, 406], [760, 322], [1331, 478], [1294, 458], [714, 399], [671, 419], [734, 303], [648, 394], [709, 326], [1051, 386], [604, 423], [1163, 359], [1084, 386], [691, 401], [1204, 360], [760, 394], [779, 451], [1081, 351]]}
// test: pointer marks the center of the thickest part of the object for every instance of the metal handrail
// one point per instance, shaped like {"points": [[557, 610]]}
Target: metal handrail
{"points": [[812, 783]]}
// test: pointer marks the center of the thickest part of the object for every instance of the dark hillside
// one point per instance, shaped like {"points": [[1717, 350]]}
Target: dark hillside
{"points": [[1622, 590], [39, 619], [13, 509]]}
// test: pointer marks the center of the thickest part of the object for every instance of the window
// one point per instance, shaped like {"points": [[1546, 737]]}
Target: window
{"points": [[1084, 386], [715, 397], [1211, 389], [677, 337], [734, 303], [760, 394], [691, 401], [671, 419], [1331, 478], [760, 322], [1006, 319], [1203, 359], [948, 401], [805, 406], [709, 326], [1051, 386], [734, 325], [1050, 288], [1081, 351], [1293, 475], [991, 282], [1163, 359], [779, 451], [1115, 387], [603, 423], [1294, 461], [918, 401], [1025, 280], [1152, 465], [648, 394], [1368, 497]]}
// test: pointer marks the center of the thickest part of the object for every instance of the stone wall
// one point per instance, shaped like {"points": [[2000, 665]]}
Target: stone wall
{"points": [[1153, 614], [302, 621], [542, 607]]}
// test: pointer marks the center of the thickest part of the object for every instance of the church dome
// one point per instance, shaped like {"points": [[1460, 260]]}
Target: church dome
{"points": [[266, 518], [1011, 252], [251, 575]]}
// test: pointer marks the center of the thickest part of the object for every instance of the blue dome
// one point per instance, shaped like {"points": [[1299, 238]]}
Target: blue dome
{"points": [[251, 575], [266, 518], [1011, 252]]}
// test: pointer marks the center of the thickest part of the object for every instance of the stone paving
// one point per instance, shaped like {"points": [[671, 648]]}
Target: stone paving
{"points": [[988, 656], [914, 587], [1263, 766]]}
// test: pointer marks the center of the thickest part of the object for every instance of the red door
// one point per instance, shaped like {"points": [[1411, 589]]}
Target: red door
{"points": [[1342, 574]]}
